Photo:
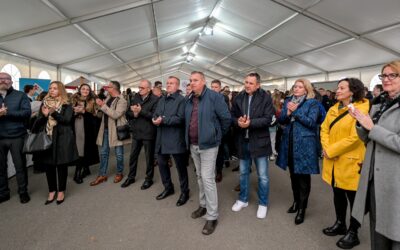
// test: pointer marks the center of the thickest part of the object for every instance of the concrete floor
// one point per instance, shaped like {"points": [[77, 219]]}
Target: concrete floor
{"points": [[108, 217]]}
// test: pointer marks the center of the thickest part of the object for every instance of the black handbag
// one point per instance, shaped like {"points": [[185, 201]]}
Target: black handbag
{"points": [[36, 142], [123, 131]]}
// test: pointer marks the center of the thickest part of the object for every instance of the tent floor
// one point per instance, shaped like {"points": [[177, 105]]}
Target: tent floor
{"points": [[108, 217]]}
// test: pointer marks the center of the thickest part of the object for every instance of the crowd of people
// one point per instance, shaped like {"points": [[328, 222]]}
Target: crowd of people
{"points": [[355, 132]]}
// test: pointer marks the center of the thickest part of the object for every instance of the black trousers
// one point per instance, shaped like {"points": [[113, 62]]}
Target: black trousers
{"points": [[180, 162], [149, 148], [341, 198], [14, 146], [219, 163], [301, 187], [52, 172], [378, 241]]}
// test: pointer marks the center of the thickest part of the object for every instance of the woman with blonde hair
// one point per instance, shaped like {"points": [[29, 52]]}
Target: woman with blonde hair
{"points": [[379, 188], [86, 125], [343, 154], [298, 148], [55, 118]]}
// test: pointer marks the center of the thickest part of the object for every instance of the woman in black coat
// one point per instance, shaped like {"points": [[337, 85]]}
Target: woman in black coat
{"points": [[86, 125], [55, 118]]}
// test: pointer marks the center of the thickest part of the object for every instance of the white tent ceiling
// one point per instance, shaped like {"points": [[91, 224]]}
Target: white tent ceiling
{"points": [[128, 40]]}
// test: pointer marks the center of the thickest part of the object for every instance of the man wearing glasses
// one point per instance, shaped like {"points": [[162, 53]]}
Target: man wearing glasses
{"points": [[15, 109], [140, 113]]}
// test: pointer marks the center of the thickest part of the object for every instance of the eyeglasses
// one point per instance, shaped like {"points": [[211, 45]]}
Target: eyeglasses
{"points": [[390, 76], [5, 79]]}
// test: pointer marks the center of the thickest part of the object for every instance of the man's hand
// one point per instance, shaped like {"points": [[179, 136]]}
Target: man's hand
{"points": [[244, 121], [157, 121], [99, 102]]}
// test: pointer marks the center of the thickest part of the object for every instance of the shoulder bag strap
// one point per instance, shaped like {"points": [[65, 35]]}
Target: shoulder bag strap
{"points": [[338, 119]]}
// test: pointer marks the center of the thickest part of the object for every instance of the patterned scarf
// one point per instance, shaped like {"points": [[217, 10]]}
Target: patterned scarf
{"points": [[298, 99], [56, 104]]}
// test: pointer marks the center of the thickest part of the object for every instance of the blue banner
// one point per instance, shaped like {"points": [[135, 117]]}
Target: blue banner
{"points": [[39, 85]]}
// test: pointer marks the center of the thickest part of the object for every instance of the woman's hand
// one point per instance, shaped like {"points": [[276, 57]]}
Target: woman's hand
{"points": [[291, 107], [45, 110], [364, 120]]}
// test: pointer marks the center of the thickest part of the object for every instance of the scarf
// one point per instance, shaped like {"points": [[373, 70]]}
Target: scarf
{"points": [[298, 99], [386, 103], [55, 103]]}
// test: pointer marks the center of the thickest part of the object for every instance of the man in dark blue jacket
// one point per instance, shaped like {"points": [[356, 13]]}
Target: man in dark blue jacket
{"points": [[252, 113], [15, 109], [169, 118], [207, 119]]}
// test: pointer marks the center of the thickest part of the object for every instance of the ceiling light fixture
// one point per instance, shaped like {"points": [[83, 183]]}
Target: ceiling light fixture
{"points": [[190, 57]]}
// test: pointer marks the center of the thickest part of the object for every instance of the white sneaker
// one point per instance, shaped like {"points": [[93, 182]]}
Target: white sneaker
{"points": [[261, 211], [239, 205]]}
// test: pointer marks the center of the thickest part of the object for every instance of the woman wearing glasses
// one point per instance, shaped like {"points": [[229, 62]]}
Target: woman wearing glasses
{"points": [[379, 188], [343, 154]]}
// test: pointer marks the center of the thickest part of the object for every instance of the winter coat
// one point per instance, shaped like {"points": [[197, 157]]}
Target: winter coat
{"points": [[63, 150], [305, 126], [213, 117], [343, 146], [116, 112], [171, 131], [261, 112], [385, 135], [142, 126], [13, 124]]}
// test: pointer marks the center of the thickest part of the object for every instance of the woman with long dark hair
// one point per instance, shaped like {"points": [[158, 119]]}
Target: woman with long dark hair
{"points": [[86, 125], [55, 117]]}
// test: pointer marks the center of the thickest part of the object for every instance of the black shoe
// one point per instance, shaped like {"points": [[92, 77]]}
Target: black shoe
{"points": [[85, 172], [60, 201], [293, 209], [235, 169], [339, 228], [24, 198], [227, 164], [128, 182], [50, 201], [300, 216], [4, 198], [146, 184], [183, 199], [78, 175], [209, 227], [165, 194], [199, 212], [349, 241]]}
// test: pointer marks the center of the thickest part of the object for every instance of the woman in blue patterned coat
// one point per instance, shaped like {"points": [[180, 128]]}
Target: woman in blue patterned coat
{"points": [[298, 149]]}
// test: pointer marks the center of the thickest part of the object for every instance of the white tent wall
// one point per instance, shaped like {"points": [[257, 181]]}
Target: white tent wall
{"points": [[21, 64], [37, 68]]}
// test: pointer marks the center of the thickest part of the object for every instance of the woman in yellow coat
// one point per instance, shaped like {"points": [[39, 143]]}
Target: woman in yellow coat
{"points": [[343, 154]]}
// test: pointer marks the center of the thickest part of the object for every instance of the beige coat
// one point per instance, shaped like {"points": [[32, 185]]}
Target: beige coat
{"points": [[115, 112]]}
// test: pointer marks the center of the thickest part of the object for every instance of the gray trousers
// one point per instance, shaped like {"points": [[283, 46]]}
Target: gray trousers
{"points": [[204, 161], [378, 241]]}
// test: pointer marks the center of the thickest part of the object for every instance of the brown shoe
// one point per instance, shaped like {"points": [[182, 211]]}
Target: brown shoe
{"points": [[209, 227], [118, 178], [98, 180], [199, 212], [237, 188]]}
